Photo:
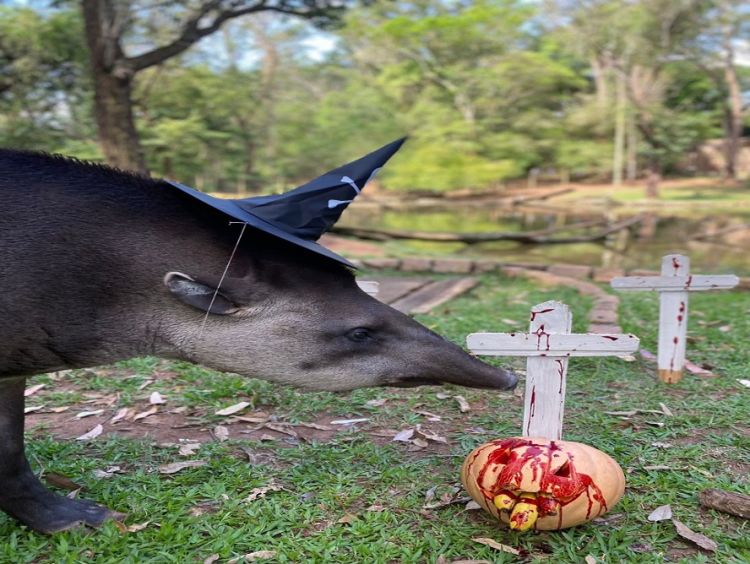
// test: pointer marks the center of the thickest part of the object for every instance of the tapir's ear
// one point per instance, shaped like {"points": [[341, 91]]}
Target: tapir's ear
{"points": [[198, 295]]}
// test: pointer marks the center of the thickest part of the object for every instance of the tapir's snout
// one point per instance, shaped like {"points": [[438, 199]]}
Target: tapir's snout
{"points": [[443, 362], [474, 373]]}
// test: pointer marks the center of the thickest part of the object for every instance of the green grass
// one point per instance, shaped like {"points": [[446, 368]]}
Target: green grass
{"points": [[710, 434]]}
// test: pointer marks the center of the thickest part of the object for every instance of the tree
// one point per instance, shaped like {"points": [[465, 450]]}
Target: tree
{"points": [[637, 45], [108, 23], [469, 81], [713, 50], [43, 86]]}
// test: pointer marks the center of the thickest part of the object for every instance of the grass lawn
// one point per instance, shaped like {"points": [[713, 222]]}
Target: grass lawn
{"points": [[350, 494]]}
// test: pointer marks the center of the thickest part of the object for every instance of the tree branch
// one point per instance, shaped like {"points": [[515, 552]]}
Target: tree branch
{"points": [[192, 32], [225, 10]]}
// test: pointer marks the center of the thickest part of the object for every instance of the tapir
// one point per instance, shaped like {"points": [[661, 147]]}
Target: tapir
{"points": [[99, 265]]}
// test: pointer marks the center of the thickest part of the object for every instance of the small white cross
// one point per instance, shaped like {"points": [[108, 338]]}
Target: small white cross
{"points": [[673, 286], [548, 345]]}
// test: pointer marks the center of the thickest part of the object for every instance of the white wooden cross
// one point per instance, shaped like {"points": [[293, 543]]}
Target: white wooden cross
{"points": [[673, 286], [548, 345], [369, 286]]}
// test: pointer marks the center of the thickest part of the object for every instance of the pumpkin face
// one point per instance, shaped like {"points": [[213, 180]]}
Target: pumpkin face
{"points": [[542, 484]]}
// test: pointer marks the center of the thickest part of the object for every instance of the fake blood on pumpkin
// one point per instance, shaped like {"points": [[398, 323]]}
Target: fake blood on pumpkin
{"points": [[564, 485]]}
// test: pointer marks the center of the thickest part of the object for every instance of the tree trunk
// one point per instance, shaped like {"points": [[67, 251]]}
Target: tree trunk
{"points": [[632, 150], [113, 81], [652, 183], [733, 122], [619, 144], [113, 110]]}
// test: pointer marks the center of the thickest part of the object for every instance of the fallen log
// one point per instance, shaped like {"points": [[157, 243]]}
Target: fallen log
{"points": [[728, 502], [530, 237], [721, 232]]}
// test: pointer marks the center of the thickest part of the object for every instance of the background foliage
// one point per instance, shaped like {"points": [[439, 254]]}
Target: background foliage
{"points": [[488, 90]]}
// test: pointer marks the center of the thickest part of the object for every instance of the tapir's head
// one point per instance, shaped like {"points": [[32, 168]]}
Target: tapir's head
{"points": [[309, 325]]}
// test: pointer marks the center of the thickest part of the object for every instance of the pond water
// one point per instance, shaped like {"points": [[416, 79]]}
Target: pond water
{"points": [[661, 233]]}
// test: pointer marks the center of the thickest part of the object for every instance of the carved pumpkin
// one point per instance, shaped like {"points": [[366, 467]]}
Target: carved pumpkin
{"points": [[542, 484]]}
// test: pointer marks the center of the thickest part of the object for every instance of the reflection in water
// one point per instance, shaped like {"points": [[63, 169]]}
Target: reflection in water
{"points": [[643, 248]]}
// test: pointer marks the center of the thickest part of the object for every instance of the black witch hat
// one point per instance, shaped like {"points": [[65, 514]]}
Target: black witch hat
{"points": [[302, 215]]}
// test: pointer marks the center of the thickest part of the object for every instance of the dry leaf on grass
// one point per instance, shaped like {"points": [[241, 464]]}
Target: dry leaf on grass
{"points": [[376, 402], [146, 383], [254, 556], [256, 419], [472, 506], [175, 467], [317, 426], [258, 493], [60, 481], [404, 436], [665, 410], [463, 405], [496, 545], [698, 370], [156, 399], [31, 390], [590, 559], [622, 413], [658, 444], [137, 527], [442, 395], [430, 435], [221, 433], [745, 383], [232, 409], [59, 409], [211, 559], [32, 408], [188, 449], [144, 414], [433, 417], [661, 513], [348, 518], [647, 355], [701, 540], [121, 414], [107, 473], [281, 428], [349, 421], [429, 495], [658, 467], [376, 508], [83, 414], [725, 328], [95, 432]]}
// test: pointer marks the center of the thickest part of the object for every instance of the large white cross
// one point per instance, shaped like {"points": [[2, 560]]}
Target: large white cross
{"points": [[548, 345], [673, 286]]}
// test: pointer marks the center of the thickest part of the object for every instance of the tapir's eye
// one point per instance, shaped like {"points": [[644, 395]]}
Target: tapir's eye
{"points": [[359, 335]]}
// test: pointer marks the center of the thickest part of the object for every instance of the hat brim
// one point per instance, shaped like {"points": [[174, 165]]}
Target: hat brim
{"points": [[230, 208]]}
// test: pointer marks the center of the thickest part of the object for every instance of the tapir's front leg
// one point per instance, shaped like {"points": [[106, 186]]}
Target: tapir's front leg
{"points": [[22, 495]]}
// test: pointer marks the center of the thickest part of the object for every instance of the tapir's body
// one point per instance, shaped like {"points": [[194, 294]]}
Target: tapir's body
{"points": [[99, 266]]}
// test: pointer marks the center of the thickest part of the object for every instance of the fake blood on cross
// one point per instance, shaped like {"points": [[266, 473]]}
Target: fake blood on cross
{"points": [[557, 488]]}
